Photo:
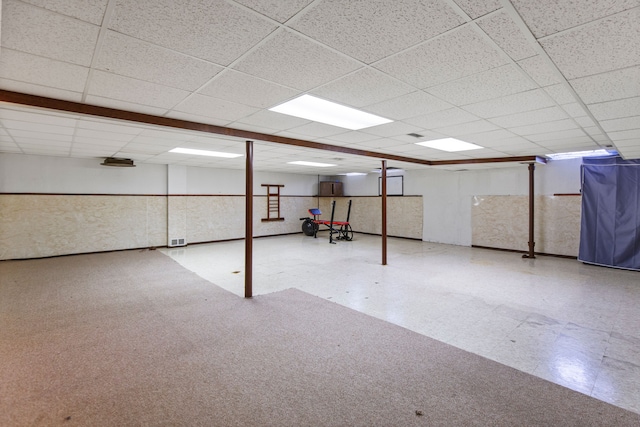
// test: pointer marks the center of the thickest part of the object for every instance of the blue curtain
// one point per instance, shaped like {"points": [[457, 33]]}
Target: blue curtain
{"points": [[610, 223]]}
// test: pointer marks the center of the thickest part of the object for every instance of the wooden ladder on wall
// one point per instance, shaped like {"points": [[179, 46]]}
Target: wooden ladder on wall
{"points": [[273, 202]]}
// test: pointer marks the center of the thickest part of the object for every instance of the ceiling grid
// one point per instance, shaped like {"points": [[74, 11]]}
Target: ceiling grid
{"points": [[509, 75]]}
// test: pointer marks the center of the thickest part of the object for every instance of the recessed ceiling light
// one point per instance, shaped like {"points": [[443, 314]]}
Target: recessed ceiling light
{"points": [[577, 154], [353, 174], [204, 153], [449, 144], [319, 110], [315, 164]]}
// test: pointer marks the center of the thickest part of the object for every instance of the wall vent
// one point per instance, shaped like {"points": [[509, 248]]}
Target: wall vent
{"points": [[177, 242]]}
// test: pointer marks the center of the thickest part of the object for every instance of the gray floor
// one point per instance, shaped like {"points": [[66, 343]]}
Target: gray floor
{"points": [[573, 324]]}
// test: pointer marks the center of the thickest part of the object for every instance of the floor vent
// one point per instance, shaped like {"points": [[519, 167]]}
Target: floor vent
{"points": [[177, 242]]}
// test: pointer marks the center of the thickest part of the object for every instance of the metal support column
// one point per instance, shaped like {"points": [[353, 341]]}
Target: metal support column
{"points": [[532, 243], [384, 212], [248, 235]]}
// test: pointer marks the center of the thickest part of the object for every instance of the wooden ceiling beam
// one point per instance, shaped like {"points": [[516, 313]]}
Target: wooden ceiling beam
{"points": [[129, 116]]}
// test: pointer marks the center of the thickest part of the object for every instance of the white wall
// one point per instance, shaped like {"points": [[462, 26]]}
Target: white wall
{"points": [[448, 195], [21, 173], [228, 181]]}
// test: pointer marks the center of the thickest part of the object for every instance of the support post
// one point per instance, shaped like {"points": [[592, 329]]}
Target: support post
{"points": [[384, 212], [248, 235], [532, 243]]}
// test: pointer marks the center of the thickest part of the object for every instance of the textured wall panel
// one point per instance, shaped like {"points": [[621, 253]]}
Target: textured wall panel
{"points": [[503, 222], [34, 226]]}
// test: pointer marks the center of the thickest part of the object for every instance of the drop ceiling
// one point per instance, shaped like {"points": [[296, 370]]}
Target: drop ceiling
{"points": [[519, 78]]}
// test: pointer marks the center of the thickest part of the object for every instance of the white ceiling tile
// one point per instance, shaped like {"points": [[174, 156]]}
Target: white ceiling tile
{"points": [[190, 117], [158, 66], [20, 136], [574, 109], [491, 84], [106, 85], [161, 134], [307, 64], [105, 126], [550, 126], [364, 87], [585, 122], [313, 130], [542, 115], [567, 145], [611, 44], [618, 84], [249, 90], [491, 138], [540, 71], [511, 104], [521, 149], [98, 142], [124, 55], [629, 107], [467, 128], [138, 157], [90, 11], [632, 134], [214, 108], [20, 66], [506, 34], [546, 17], [47, 144], [414, 104], [125, 105], [621, 124], [271, 120], [32, 89], [346, 25], [379, 143], [626, 144], [279, 10], [454, 55], [560, 94], [41, 32], [390, 130], [442, 118], [218, 140], [45, 151], [424, 136], [250, 127], [36, 117], [14, 125], [352, 137], [134, 147], [215, 30], [477, 8], [102, 134], [558, 135], [92, 151]]}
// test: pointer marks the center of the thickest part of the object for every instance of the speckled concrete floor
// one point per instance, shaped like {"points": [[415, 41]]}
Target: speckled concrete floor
{"points": [[574, 324]]}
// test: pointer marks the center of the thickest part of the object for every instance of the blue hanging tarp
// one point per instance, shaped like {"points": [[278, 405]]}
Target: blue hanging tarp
{"points": [[610, 223]]}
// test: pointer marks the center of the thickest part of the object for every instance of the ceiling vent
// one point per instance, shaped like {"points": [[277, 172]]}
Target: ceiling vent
{"points": [[118, 162], [415, 135]]}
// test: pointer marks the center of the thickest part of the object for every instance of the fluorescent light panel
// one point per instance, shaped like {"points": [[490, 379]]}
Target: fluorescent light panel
{"points": [[204, 153], [314, 164], [319, 110], [577, 154], [449, 144]]}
